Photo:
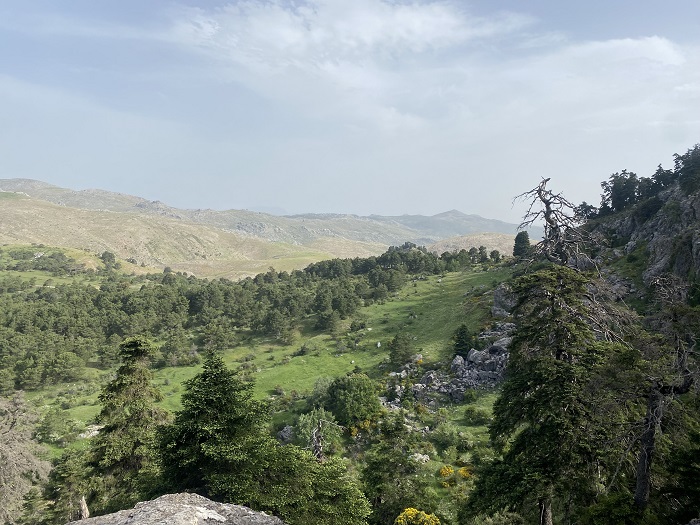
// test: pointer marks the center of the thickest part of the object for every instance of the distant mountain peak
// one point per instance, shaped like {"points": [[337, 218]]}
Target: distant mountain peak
{"points": [[453, 213]]}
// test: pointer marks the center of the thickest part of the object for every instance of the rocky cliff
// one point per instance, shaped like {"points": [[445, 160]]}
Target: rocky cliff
{"points": [[184, 509], [665, 229]]}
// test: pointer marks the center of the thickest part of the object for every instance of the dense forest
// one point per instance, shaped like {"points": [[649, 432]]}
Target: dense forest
{"points": [[596, 420], [50, 333]]}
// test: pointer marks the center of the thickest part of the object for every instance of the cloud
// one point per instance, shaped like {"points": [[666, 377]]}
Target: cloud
{"points": [[276, 34], [421, 100], [354, 59], [393, 66]]}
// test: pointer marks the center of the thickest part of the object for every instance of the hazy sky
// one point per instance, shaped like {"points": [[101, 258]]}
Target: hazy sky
{"points": [[349, 106]]}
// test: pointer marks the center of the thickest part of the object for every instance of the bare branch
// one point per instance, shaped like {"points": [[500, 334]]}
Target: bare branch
{"points": [[564, 240]]}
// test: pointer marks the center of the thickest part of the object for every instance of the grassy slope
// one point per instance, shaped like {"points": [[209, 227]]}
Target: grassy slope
{"points": [[160, 241], [428, 309]]}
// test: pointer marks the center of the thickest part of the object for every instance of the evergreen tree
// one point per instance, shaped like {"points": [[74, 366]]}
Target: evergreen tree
{"points": [[69, 482], [521, 247], [219, 446], [544, 423], [122, 454], [401, 349], [392, 479], [20, 465], [464, 340]]}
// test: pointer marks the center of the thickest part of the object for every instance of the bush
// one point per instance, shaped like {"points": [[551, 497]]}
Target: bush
{"points": [[470, 396], [353, 398], [412, 516], [445, 435], [446, 471], [358, 324], [474, 416]]}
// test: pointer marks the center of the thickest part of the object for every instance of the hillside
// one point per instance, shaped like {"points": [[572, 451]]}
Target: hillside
{"points": [[275, 329], [157, 242], [228, 243], [503, 242]]}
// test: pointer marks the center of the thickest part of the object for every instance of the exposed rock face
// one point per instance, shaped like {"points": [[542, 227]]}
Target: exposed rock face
{"points": [[671, 234], [286, 435], [504, 301], [480, 369], [184, 509]]}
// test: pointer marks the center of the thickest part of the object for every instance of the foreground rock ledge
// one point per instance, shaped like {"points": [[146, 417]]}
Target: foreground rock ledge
{"points": [[184, 509]]}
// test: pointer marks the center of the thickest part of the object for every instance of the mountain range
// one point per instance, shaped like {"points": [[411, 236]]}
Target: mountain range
{"points": [[230, 243]]}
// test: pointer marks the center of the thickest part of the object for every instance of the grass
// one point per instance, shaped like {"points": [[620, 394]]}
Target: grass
{"points": [[8, 195], [205, 250], [429, 309]]}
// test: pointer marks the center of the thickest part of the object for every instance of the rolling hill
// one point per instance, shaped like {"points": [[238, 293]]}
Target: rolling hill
{"points": [[231, 243]]}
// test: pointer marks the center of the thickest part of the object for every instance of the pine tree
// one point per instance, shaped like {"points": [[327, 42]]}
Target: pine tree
{"points": [[464, 340], [122, 454], [219, 446], [544, 420], [521, 247]]}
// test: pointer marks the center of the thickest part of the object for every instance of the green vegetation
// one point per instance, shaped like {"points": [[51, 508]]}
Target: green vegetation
{"points": [[280, 331], [324, 395]]}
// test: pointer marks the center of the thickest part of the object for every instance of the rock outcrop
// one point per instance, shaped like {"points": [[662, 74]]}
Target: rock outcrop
{"points": [[504, 301], [184, 509], [480, 369], [669, 237]]}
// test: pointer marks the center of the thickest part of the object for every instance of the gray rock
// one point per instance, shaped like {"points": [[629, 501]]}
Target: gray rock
{"points": [[430, 378], [503, 301], [504, 342], [491, 366], [457, 363], [476, 356], [184, 509], [495, 350], [286, 435]]}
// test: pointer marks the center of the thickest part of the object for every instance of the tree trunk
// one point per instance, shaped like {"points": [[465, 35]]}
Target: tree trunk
{"points": [[652, 421], [84, 512], [545, 505]]}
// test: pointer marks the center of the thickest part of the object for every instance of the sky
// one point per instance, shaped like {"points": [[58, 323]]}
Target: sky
{"points": [[346, 106]]}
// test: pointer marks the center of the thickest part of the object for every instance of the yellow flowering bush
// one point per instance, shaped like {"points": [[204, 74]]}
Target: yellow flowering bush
{"points": [[446, 471], [465, 472], [411, 516]]}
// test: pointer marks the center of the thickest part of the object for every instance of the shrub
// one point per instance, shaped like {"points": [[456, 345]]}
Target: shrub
{"points": [[476, 416], [465, 472], [411, 516], [446, 471], [470, 396], [445, 435]]}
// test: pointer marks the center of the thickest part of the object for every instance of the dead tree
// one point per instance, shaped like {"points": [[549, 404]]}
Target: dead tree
{"points": [[564, 241], [317, 439]]}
